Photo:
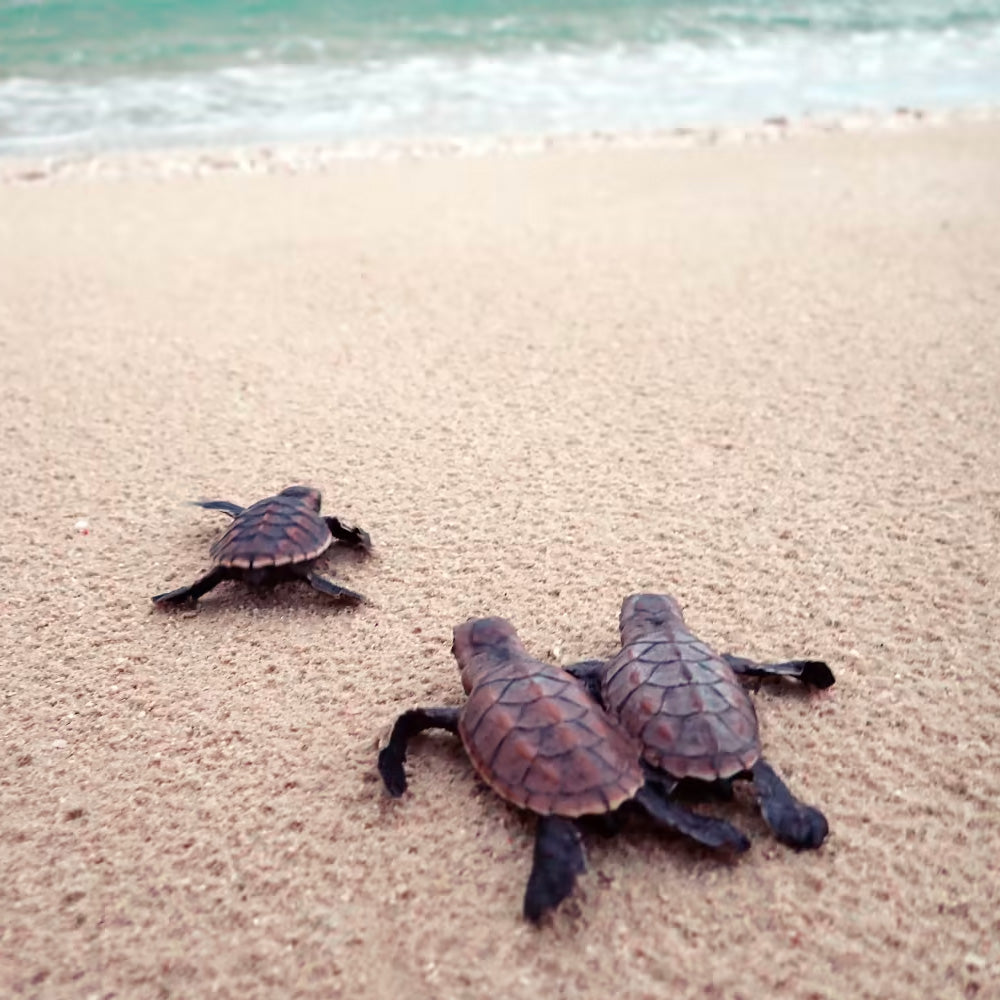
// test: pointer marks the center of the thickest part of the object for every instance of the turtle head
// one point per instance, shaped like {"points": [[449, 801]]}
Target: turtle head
{"points": [[644, 614], [481, 644], [307, 494]]}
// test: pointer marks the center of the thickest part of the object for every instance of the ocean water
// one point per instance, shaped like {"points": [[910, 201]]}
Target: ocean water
{"points": [[94, 75]]}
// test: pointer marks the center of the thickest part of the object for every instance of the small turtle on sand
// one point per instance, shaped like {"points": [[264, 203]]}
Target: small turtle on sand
{"points": [[277, 538], [537, 738], [695, 721]]}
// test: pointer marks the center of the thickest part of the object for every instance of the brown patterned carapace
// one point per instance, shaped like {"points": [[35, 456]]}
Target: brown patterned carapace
{"points": [[532, 732], [679, 697], [277, 531]]}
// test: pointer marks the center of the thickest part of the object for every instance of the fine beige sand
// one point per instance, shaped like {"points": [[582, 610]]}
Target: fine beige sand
{"points": [[764, 377]]}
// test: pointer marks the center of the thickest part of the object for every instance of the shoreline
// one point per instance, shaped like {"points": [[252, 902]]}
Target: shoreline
{"points": [[284, 158], [758, 376]]}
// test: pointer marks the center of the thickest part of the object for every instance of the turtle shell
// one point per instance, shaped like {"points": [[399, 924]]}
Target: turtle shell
{"points": [[678, 697], [277, 531], [532, 732]]}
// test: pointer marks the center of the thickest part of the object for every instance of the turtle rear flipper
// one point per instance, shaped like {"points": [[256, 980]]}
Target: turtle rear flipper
{"points": [[793, 822], [211, 579], [226, 506], [558, 859], [325, 586], [705, 830]]}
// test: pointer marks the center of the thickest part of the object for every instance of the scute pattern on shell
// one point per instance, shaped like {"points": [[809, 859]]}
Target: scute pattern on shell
{"points": [[278, 531], [686, 705], [537, 739]]}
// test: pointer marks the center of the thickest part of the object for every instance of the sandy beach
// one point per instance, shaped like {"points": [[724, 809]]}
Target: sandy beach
{"points": [[760, 376]]}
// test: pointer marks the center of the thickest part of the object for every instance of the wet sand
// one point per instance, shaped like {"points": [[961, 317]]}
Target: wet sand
{"points": [[762, 377]]}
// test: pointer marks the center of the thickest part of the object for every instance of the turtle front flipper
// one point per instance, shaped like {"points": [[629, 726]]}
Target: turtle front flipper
{"points": [[558, 859], [813, 673], [409, 724], [226, 506], [793, 822], [353, 537], [211, 579], [590, 673], [325, 586], [705, 830]]}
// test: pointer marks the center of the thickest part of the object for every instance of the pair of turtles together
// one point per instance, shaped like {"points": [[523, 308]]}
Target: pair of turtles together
{"points": [[600, 737]]}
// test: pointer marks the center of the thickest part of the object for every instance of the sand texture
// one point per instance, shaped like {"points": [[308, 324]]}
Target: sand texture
{"points": [[764, 378]]}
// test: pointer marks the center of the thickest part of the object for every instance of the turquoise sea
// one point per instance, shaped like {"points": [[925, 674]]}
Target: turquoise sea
{"points": [[86, 75]]}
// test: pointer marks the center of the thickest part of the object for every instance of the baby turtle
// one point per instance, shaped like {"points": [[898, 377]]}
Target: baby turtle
{"points": [[695, 721], [277, 538], [537, 738]]}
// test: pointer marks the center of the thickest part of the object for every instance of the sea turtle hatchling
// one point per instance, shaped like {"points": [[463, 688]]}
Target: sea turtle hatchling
{"points": [[537, 738], [277, 538], [685, 704]]}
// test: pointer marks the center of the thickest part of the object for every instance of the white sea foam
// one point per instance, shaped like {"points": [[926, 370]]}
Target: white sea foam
{"points": [[616, 88]]}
